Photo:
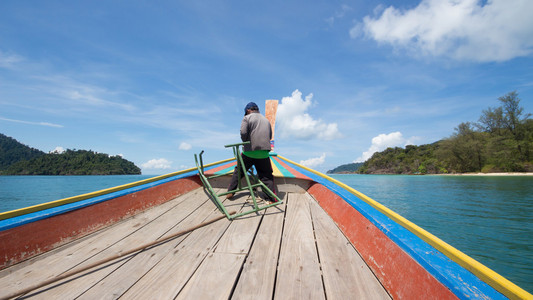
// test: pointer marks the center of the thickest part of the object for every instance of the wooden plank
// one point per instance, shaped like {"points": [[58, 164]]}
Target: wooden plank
{"points": [[240, 234], [120, 280], [259, 271], [214, 279], [71, 288], [344, 271], [299, 270], [206, 282], [170, 275], [124, 227], [206, 263], [68, 256]]}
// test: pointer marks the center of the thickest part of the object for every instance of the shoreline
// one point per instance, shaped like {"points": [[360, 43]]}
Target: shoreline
{"points": [[450, 174], [488, 174]]}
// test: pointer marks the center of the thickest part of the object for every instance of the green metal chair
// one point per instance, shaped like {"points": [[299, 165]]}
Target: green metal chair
{"points": [[252, 182]]}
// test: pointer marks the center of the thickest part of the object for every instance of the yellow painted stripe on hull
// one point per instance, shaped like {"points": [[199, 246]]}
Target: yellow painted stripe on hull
{"points": [[494, 279]]}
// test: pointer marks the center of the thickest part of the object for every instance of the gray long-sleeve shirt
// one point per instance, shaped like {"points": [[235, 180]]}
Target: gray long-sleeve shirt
{"points": [[256, 128]]}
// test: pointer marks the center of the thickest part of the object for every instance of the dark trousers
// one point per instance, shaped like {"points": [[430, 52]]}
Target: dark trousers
{"points": [[264, 172]]}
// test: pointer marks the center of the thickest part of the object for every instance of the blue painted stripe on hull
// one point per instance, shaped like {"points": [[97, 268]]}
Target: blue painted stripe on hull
{"points": [[448, 272]]}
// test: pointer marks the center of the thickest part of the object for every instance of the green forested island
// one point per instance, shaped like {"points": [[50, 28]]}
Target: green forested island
{"points": [[19, 159], [501, 141], [346, 169]]}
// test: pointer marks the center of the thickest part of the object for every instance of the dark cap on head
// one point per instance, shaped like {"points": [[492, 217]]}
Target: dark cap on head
{"points": [[251, 106]]}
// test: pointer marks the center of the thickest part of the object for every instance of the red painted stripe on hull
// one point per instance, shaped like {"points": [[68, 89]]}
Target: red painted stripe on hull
{"points": [[28, 240], [401, 275]]}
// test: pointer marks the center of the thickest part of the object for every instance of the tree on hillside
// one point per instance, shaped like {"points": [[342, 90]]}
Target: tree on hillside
{"points": [[464, 151], [491, 120], [411, 160], [501, 141], [510, 142], [74, 162], [12, 151]]}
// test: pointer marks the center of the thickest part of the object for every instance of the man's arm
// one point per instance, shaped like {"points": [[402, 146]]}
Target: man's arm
{"points": [[245, 135]]}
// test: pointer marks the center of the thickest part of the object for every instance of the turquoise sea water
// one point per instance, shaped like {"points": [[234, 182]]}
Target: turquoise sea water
{"points": [[488, 218], [23, 191]]}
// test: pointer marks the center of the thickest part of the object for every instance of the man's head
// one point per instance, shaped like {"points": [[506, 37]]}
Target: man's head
{"points": [[250, 107]]}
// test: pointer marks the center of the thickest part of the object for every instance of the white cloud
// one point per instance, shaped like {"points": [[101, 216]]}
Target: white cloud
{"points": [[339, 14], [382, 142], [160, 163], [32, 123], [185, 146], [84, 94], [475, 30], [293, 121], [9, 60], [58, 150], [313, 162]]}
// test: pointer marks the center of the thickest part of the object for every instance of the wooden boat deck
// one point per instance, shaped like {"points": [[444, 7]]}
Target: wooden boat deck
{"points": [[292, 251]]}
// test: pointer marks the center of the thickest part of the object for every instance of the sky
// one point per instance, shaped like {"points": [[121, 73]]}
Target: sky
{"points": [[158, 81]]}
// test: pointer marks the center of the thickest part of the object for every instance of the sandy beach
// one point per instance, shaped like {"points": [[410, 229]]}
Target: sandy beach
{"points": [[490, 174]]}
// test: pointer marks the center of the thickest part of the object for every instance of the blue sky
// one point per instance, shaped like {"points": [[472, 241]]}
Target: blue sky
{"points": [[157, 81]]}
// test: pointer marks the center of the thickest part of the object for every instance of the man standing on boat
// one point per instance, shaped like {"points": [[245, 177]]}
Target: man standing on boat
{"points": [[256, 129]]}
